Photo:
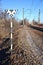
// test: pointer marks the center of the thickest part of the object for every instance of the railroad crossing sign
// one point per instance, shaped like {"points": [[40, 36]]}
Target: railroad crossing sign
{"points": [[11, 13]]}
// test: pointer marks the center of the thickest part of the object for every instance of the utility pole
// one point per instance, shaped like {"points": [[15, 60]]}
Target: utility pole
{"points": [[23, 16], [39, 16], [0, 4]]}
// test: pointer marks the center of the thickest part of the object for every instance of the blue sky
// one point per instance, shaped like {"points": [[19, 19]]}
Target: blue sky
{"points": [[31, 8]]}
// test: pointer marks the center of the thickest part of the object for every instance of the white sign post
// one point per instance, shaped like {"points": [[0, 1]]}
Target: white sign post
{"points": [[11, 13]]}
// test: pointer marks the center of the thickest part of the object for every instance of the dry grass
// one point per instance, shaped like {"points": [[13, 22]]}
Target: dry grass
{"points": [[5, 27]]}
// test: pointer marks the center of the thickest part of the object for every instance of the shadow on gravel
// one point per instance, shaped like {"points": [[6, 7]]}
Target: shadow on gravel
{"points": [[5, 53]]}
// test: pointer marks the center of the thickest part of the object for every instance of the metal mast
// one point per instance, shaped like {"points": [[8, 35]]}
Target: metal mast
{"points": [[23, 16]]}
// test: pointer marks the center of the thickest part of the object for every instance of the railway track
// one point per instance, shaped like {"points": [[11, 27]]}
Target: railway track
{"points": [[37, 28]]}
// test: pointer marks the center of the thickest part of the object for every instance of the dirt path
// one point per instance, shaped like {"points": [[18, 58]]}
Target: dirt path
{"points": [[26, 42]]}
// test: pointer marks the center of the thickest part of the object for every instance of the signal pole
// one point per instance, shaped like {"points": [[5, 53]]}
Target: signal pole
{"points": [[39, 16]]}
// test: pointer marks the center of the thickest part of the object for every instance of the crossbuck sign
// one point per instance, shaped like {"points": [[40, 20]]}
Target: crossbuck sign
{"points": [[11, 13]]}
